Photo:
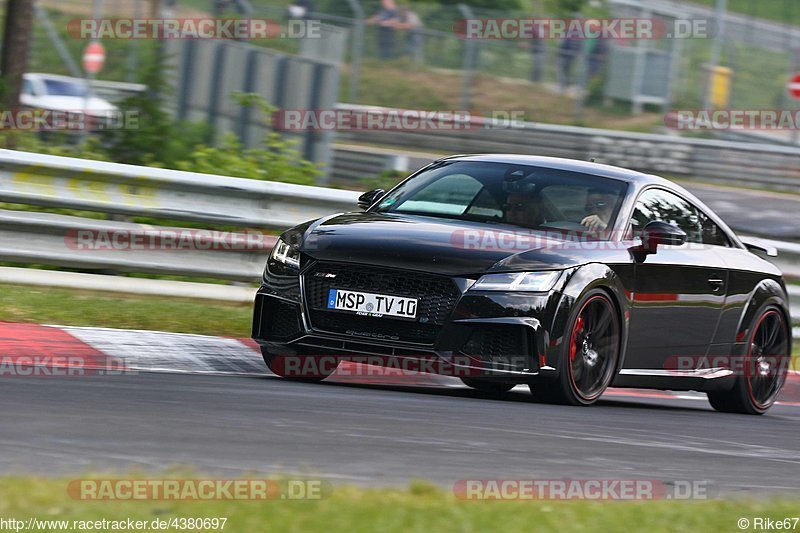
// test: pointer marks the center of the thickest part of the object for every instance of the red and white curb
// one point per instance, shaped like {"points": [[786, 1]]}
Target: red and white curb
{"points": [[156, 351]]}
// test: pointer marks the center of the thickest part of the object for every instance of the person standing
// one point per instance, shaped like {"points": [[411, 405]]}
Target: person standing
{"points": [[538, 51], [409, 21], [568, 50], [385, 19]]}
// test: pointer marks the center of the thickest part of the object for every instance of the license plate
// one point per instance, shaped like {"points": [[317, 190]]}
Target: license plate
{"points": [[376, 305]]}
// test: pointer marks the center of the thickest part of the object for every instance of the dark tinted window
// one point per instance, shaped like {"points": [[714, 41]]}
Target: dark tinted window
{"points": [[520, 195], [64, 88], [658, 204], [712, 233]]}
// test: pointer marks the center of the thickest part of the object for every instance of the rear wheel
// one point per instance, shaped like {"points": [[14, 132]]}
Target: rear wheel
{"points": [[303, 368], [764, 368], [590, 355], [490, 387]]}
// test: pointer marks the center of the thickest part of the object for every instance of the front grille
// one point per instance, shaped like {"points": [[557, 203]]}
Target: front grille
{"points": [[501, 345], [437, 296]]}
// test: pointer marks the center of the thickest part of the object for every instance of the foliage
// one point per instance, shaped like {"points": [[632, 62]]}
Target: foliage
{"points": [[276, 159], [565, 7], [385, 180], [158, 139]]}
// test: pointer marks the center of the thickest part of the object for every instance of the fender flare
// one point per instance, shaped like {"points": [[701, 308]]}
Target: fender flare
{"points": [[578, 281], [766, 292]]}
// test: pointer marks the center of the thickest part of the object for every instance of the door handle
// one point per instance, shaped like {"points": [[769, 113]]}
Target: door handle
{"points": [[716, 283]]}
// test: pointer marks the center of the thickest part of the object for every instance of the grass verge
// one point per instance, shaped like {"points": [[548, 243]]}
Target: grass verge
{"points": [[421, 507], [68, 307]]}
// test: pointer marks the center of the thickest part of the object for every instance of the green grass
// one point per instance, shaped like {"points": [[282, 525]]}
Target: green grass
{"points": [[786, 11], [45, 305], [421, 507]]}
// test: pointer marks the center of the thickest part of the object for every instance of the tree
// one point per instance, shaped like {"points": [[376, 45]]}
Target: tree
{"points": [[17, 36], [155, 9]]}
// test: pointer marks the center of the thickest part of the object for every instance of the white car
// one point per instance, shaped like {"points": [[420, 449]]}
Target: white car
{"points": [[62, 93]]}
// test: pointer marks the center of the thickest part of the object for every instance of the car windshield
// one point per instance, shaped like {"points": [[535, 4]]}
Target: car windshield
{"points": [[509, 193], [64, 88]]}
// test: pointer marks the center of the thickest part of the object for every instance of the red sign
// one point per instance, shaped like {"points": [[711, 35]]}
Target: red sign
{"points": [[794, 87], [93, 58]]}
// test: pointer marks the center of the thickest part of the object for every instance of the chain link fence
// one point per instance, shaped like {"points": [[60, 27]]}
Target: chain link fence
{"points": [[760, 44]]}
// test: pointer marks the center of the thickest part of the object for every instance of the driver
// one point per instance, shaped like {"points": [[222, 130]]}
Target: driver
{"points": [[599, 207]]}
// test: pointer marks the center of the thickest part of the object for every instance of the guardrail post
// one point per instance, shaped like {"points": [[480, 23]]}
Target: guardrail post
{"points": [[356, 48], [133, 47], [470, 59], [721, 15]]}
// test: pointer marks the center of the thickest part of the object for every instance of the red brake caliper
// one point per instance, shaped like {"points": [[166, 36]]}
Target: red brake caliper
{"points": [[573, 343]]}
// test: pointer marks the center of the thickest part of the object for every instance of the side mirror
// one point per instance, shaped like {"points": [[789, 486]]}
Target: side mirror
{"points": [[657, 232], [369, 198]]}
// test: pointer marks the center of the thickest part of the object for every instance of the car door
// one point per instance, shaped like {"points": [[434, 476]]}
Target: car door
{"points": [[679, 291]]}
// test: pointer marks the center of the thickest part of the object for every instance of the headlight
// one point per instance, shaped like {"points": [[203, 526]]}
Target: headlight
{"points": [[285, 254], [517, 281]]}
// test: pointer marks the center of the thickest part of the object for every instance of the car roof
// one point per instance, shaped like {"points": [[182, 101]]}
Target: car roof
{"points": [[573, 165], [638, 180]]}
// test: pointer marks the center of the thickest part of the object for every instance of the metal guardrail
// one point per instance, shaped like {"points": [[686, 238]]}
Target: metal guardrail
{"points": [[734, 163], [52, 239], [66, 182], [111, 246]]}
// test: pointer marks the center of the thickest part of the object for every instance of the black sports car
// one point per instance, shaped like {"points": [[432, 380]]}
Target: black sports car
{"points": [[564, 275]]}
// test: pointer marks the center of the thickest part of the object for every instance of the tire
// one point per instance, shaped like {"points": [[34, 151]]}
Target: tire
{"points": [[764, 368], [487, 386], [589, 357], [313, 373]]}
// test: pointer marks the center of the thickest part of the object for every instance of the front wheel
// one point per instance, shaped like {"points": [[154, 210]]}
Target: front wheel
{"points": [[764, 368], [303, 368], [590, 355]]}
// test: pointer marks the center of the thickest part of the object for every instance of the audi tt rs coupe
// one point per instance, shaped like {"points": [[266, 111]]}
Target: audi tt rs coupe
{"points": [[567, 276]]}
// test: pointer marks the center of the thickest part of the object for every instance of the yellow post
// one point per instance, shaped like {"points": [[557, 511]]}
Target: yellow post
{"points": [[719, 86]]}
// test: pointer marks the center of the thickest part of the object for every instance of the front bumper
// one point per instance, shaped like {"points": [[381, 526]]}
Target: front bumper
{"points": [[484, 334]]}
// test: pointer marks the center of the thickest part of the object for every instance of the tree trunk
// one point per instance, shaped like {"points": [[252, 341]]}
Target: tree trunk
{"points": [[17, 37], [155, 8]]}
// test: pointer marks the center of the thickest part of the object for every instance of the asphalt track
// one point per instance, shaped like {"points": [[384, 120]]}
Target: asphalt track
{"points": [[383, 435], [752, 212]]}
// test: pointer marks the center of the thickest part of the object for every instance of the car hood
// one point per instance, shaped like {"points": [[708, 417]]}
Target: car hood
{"points": [[444, 246]]}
